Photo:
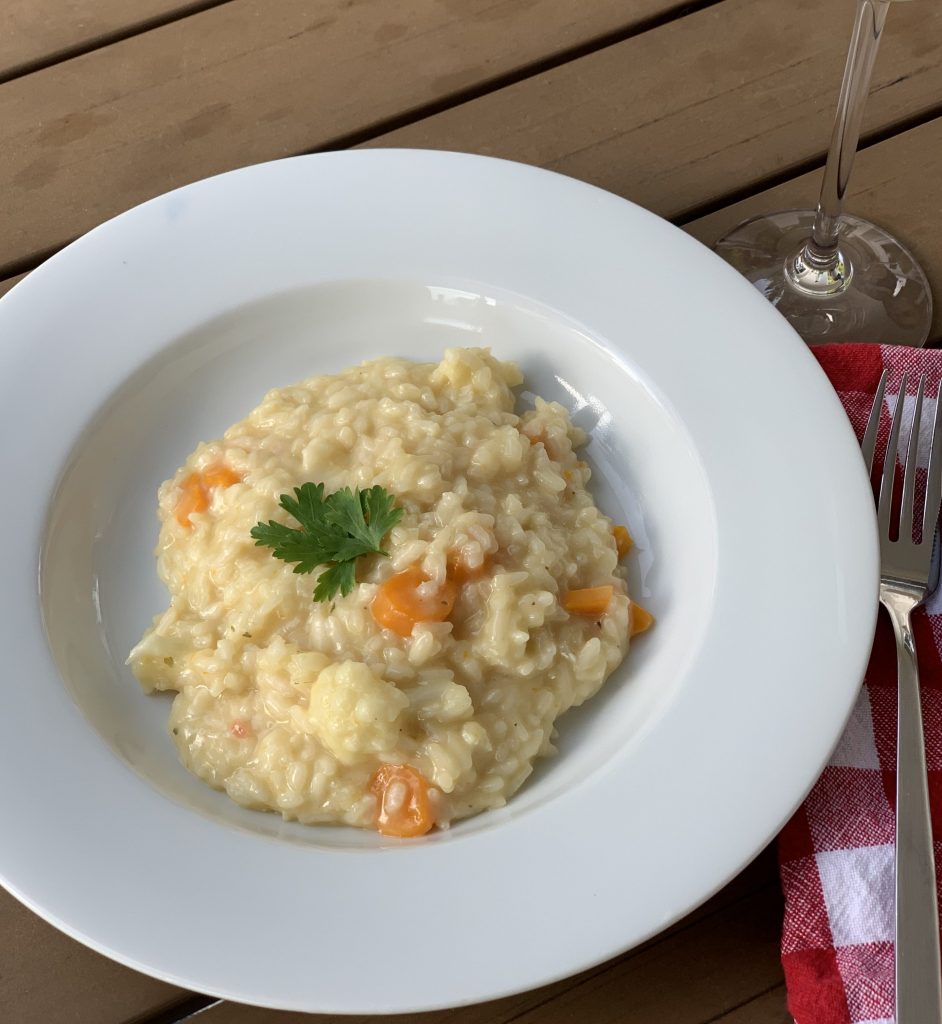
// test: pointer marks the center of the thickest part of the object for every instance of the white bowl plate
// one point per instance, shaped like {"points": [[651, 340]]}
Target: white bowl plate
{"points": [[714, 435]]}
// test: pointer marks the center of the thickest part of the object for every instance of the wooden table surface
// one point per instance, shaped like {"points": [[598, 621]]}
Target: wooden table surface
{"points": [[704, 112]]}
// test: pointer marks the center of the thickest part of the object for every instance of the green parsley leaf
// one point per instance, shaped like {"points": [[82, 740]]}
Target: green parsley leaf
{"points": [[335, 531], [340, 576], [307, 506], [379, 510], [292, 545], [344, 511]]}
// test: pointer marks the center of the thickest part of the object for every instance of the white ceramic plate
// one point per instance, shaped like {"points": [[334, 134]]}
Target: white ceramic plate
{"points": [[712, 432]]}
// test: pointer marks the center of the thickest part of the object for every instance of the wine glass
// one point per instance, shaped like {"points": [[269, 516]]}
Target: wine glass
{"points": [[837, 277]]}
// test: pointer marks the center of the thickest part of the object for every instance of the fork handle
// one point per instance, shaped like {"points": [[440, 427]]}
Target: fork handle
{"points": [[918, 973]]}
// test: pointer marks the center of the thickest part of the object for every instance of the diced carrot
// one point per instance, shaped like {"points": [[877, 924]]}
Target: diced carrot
{"points": [[548, 443], [461, 572], [641, 619], [399, 605], [196, 487], [402, 801], [623, 541], [589, 600], [220, 476], [193, 498]]}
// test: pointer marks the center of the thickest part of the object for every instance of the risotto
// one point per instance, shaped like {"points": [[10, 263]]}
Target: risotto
{"points": [[426, 692]]}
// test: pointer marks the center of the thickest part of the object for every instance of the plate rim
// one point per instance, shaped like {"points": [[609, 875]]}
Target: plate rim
{"points": [[15, 305]]}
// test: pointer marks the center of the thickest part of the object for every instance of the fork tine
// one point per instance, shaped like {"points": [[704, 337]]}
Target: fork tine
{"points": [[869, 442], [934, 478], [909, 471], [889, 463]]}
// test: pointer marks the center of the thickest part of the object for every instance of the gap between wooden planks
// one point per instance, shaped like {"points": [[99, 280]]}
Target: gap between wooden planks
{"points": [[36, 33], [99, 990], [47, 977], [675, 117], [896, 183], [251, 81], [576, 154], [727, 952], [9, 282], [702, 108]]}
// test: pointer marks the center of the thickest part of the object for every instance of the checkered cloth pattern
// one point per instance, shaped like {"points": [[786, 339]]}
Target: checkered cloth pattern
{"points": [[836, 853]]}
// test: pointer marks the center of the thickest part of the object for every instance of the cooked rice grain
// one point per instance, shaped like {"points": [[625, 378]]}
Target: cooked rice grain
{"points": [[290, 705]]}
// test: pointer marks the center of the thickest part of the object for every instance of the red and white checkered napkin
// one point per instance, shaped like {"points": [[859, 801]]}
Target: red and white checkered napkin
{"points": [[836, 854]]}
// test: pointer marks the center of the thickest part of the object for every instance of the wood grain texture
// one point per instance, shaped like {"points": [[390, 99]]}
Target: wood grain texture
{"points": [[896, 183], [42, 31], [251, 81], [701, 107], [727, 951], [45, 976], [674, 118]]}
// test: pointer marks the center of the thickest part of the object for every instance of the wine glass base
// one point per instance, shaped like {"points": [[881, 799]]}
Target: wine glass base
{"points": [[884, 296]]}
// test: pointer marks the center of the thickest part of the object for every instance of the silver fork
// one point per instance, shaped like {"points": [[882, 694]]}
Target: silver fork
{"points": [[905, 568]]}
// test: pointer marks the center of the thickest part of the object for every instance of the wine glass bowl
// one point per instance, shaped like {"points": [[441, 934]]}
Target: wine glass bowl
{"points": [[835, 277], [873, 291]]}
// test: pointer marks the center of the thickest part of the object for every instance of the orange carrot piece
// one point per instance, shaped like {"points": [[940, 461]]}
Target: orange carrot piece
{"points": [[623, 541], [641, 619], [220, 476], [398, 604], [196, 487], [460, 572], [589, 600], [193, 498], [402, 801], [544, 439]]}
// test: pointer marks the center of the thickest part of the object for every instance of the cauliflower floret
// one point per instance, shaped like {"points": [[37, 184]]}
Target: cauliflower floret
{"points": [[354, 712], [473, 375]]}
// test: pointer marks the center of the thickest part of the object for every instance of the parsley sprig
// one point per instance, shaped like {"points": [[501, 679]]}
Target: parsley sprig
{"points": [[335, 531]]}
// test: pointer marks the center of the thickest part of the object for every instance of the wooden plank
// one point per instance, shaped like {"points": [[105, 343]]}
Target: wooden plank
{"points": [[769, 1008], [728, 952], [250, 81], [42, 31], [745, 935], [46, 976], [895, 184], [701, 107]]}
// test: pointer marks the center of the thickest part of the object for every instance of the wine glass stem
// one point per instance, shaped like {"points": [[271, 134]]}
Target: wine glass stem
{"points": [[821, 249]]}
